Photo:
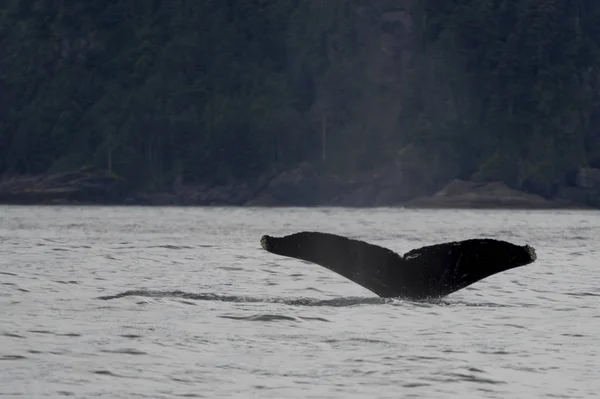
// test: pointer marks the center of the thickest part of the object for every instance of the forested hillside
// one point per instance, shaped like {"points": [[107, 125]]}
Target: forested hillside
{"points": [[216, 91]]}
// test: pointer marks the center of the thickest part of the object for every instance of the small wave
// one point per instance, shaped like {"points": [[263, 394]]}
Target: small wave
{"points": [[415, 385], [126, 351], [579, 238], [105, 372], [573, 335], [273, 317], [187, 302], [12, 357], [336, 302], [582, 294], [167, 246], [498, 352], [357, 340], [471, 377], [315, 319], [261, 317], [11, 335], [54, 333]]}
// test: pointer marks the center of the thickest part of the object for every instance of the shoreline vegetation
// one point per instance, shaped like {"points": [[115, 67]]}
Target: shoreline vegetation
{"points": [[301, 103], [302, 187]]}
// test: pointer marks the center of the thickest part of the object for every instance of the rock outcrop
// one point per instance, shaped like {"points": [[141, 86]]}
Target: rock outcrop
{"points": [[302, 186], [467, 194], [62, 188], [296, 187]]}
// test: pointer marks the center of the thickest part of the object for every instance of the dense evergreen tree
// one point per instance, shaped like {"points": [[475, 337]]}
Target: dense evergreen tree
{"points": [[530, 70], [219, 90]]}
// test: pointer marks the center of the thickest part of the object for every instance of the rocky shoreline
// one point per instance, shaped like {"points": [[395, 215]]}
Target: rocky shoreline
{"points": [[302, 187]]}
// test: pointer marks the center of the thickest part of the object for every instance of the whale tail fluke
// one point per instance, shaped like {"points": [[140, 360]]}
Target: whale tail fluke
{"points": [[427, 272]]}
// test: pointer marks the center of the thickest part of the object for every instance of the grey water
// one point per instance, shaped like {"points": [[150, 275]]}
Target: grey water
{"points": [[128, 302]]}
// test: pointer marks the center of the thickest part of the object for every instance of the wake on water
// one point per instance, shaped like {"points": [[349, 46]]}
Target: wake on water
{"points": [[336, 302]]}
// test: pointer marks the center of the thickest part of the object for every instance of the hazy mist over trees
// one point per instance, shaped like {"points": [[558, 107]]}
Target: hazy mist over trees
{"points": [[216, 91]]}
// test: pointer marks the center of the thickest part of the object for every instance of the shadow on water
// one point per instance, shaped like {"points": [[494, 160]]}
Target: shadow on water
{"points": [[336, 302]]}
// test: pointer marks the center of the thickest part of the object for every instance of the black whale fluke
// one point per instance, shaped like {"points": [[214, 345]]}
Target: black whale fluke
{"points": [[428, 272]]}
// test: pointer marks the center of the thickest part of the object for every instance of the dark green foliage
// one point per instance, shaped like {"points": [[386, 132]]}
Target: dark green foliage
{"points": [[219, 90], [530, 70]]}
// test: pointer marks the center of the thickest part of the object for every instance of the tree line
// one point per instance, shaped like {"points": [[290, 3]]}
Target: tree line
{"points": [[215, 91]]}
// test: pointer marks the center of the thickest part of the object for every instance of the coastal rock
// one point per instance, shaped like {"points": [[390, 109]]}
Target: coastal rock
{"points": [[296, 187], [63, 188], [467, 194]]}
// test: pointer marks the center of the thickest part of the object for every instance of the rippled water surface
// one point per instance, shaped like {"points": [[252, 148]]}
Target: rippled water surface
{"points": [[198, 309]]}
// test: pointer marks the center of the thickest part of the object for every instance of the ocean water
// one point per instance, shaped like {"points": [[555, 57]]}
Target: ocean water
{"points": [[134, 302]]}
